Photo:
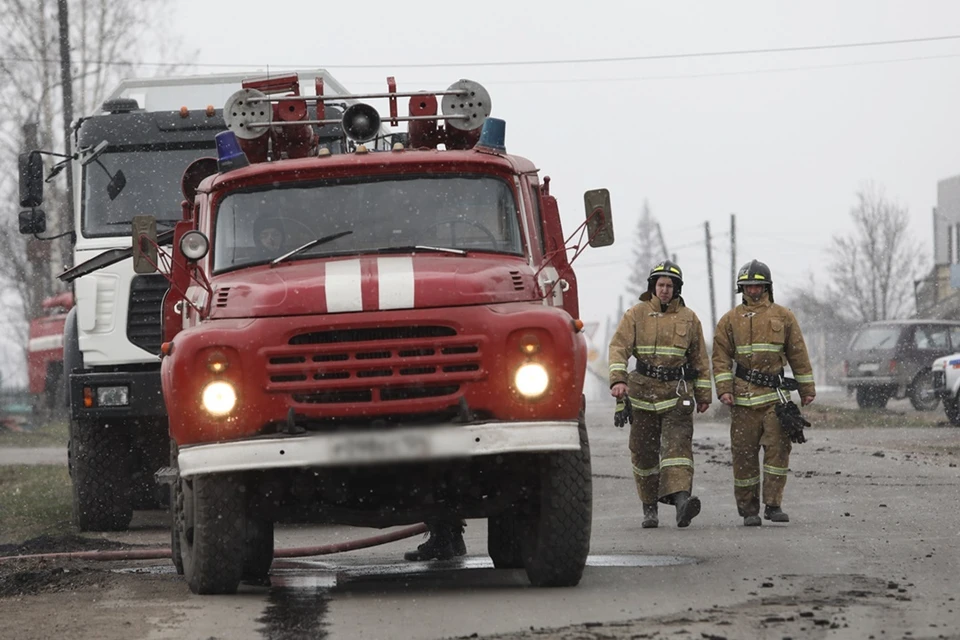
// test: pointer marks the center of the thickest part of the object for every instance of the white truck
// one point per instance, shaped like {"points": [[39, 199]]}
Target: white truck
{"points": [[129, 161], [946, 384]]}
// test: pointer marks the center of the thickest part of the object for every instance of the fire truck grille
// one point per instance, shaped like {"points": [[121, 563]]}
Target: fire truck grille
{"points": [[381, 365], [144, 311], [371, 335]]}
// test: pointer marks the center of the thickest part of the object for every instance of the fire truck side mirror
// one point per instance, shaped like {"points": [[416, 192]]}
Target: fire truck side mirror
{"points": [[31, 179], [33, 221], [599, 218], [144, 244], [117, 182]]}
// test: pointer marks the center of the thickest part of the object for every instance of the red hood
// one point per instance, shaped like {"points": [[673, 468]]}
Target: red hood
{"points": [[371, 283]]}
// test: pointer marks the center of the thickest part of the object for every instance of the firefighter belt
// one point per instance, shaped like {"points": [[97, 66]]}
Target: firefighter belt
{"points": [[624, 414], [666, 374], [774, 381]]}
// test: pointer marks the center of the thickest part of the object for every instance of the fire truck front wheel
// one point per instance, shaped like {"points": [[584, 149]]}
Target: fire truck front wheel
{"points": [[503, 541], [211, 525], [176, 510], [258, 551], [556, 539], [99, 462]]}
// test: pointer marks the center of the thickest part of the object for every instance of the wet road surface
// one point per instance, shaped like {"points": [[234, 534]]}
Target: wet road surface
{"points": [[873, 549]]}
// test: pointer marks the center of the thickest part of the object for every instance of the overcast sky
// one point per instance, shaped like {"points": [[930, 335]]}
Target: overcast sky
{"points": [[784, 140]]}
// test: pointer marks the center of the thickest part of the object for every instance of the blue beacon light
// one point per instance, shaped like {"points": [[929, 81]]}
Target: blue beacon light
{"points": [[229, 154], [493, 136]]}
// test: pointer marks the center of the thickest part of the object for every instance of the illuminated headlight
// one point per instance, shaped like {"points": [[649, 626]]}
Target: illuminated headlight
{"points": [[194, 245], [531, 379], [219, 398], [113, 396]]}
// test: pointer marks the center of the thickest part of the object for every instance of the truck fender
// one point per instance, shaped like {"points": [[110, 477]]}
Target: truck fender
{"points": [[72, 356], [953, 385]]}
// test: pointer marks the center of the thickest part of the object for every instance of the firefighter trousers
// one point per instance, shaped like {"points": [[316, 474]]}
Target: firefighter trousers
{"points": [[750, 429], [661, 450]]}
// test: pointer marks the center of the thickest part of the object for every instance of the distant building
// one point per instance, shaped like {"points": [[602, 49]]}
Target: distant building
{"points": [[938, 293]]}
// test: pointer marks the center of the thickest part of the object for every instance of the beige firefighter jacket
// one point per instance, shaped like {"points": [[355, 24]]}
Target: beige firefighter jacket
{"points": [[668, 338], [759, 335]]}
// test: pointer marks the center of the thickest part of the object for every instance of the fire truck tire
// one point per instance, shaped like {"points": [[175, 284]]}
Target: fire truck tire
{"points": [[503, 541], [211, 525], [951, 407], [258, 551], [99, 465], [557, 537], [176, 509]]}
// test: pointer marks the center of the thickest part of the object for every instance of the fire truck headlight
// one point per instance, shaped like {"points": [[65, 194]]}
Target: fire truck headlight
{"points": [[194, 245], [219, 398], [531, 379]]}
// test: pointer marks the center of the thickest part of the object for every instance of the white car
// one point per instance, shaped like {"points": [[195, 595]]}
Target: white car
{"points": [[946, 384]]}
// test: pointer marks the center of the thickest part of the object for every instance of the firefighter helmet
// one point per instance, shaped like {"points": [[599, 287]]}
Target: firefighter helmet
{"points": [[755, 272], [667, 268]]}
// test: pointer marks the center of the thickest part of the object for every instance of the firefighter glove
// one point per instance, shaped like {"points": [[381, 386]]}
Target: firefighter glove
{"points": [[624, 412], [792, 422]]}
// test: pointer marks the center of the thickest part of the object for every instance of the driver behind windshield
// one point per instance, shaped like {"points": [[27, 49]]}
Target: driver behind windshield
{"points": [[268, 235]]}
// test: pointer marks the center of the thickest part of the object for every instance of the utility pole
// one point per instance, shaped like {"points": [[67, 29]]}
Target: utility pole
{"points": [[66, 89], [663, 245], [713, 298], [733, 260]]}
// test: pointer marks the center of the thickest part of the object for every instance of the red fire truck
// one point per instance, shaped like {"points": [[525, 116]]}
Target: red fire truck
{"points": [[372, 338], [45, 353]]}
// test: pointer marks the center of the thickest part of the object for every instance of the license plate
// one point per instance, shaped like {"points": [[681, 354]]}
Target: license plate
{"points": [[380, 447], [869, 367]]}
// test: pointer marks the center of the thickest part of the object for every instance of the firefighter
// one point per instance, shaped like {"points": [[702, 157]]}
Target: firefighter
{"points": [[760, 337], [672, 377], [268, 234], [445, 541]]}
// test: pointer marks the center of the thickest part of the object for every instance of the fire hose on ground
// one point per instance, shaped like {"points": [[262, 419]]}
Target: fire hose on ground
{"points": [[294, 552]]}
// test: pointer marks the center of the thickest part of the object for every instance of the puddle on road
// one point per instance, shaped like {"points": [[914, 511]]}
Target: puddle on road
{"points": [[301, 589], [287, 569], [308, 574]]}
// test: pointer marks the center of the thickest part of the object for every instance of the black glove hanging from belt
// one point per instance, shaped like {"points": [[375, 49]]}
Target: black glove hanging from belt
{"points": [[772, 380], [792, 422], [666, 374], [624, 412]]}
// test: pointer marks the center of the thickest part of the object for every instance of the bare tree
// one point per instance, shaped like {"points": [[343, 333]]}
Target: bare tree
{"points": [[873, 268], [646, 251], [107, 37], [827, 326]]}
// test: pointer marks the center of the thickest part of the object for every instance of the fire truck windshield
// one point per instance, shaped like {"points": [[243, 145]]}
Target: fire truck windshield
{"points": [[471, 213], [152, 188]]}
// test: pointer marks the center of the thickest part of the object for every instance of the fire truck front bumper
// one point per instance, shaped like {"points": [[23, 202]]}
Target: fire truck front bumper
{"points": [[379, 447]]}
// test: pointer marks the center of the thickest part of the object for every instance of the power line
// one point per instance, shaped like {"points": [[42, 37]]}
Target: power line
{"points": [[714, 74], [567, 61]]}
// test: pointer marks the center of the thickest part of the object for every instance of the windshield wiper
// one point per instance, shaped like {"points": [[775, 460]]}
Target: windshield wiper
{"points": [[419, 247], [310, 245], [169, 223]]}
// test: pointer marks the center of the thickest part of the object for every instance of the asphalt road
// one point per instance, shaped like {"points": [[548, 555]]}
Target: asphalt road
{"points": [[872, 551]]}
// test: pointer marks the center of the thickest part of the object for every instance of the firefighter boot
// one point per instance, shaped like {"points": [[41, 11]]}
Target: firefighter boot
{"points": [[752, 521], [459, 546], [688, 507], [775, 514], [445, 542], [650, 520]]}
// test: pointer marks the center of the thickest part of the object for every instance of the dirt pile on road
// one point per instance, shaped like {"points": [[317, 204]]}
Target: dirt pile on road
{"points": [[31, 576]]}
